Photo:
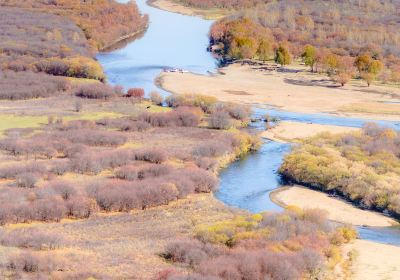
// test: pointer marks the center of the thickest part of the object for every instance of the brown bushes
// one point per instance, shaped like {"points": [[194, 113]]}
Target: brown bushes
{"points": [[26, 85], [220, 120], [183, 116], [31, 238], [137, 93], [95, 91], [289, 245]]}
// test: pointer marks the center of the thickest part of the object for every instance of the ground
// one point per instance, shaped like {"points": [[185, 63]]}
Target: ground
{"points": [[174, 7], [338, 210], [375, 261], [287, 131], [293, 89]]}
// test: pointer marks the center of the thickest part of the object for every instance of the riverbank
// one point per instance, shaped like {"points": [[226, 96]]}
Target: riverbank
{"points": [[116, 44], [289, 131], [173, 7], [338, 210], [293, 89], [374, 260]]}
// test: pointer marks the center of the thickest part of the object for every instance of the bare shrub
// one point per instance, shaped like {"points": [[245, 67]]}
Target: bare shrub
{"points": [[211, 149], [27, 85], [94, 91], [27, 180], [64, 188], [92, 137], [220, 120], [34, 262], [48, 210], [183, 116], [153, 155], [81, 207], [31, 238], [156, 98], [127, 172], [12, 171]]}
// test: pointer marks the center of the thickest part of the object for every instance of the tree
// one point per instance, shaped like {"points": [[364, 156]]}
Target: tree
{"points": [[309, 56], [362, 62], [283, 56], [368, 67], [264, 50]]}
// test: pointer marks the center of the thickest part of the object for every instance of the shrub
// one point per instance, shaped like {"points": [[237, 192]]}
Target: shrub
{"points": [[220, 120], [183, 116], [92, 137], [34, 262], [28, 85], [80, 207], [156, 98], [27, 180], [12, 171], [153, 155], [137, 93], [203, 102], [127, 172], [95, 91], [64, 188], [31, 238]]}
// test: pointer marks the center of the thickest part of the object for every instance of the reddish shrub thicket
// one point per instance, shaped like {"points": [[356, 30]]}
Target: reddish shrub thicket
{"points": [[125, 124], [132, 173], [28, 262], [27, 180], [95, 91], [181, 116], [119, 195], [12, 171], [137, 93], [153, 155], [27, 85], [92, 137], [31, 238]]}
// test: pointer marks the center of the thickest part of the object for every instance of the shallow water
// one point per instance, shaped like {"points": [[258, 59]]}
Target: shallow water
{"points": [[179, 41]]}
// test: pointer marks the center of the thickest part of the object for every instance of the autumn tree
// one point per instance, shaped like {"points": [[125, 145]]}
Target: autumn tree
{"points": [[368, 67], [283, 56], [265, 50], [309, 56]]}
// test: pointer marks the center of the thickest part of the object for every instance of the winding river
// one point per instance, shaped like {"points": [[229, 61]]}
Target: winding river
{"points": [[179, 41]]}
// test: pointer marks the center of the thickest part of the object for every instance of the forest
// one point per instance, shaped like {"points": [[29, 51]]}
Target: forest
{"points": [[362, 166], [337, 33], [103, 22]]}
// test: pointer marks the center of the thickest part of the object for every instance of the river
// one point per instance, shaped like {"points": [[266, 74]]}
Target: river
{"points": [[178, 41]]}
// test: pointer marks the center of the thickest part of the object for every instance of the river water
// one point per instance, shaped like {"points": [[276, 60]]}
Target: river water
{"points": [[178, 41]]}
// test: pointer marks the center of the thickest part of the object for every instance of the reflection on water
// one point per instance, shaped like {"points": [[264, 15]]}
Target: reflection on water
{"points": [[171, 41]]}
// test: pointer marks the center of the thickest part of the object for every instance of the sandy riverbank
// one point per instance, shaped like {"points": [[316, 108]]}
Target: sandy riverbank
{"points": [[295, 90], [171, 6], [288, 131], [338, 210], [374, 261]]}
